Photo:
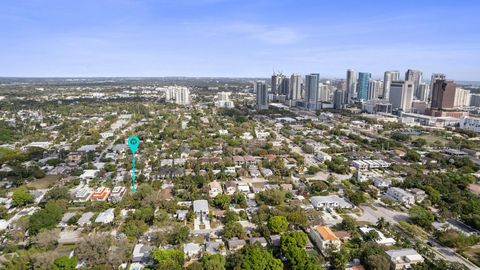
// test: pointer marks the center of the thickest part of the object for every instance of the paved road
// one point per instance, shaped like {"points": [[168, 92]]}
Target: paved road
{"points": [[394, 217]]}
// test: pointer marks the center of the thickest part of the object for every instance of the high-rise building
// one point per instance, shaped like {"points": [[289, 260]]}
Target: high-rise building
{"points": [[423, 91], [324, 92], [388, 77], [284, 86], [414, 76], [339, 99], [362, 86], [182, 96], [475, 100], [401, 95], [342, 85], [443, 95], [276, 82], [262, 95], [223, 100], [295, 89], [374, 89], [433, 79], [462, 98], [311, 90], [177, 94], [352, 77]]}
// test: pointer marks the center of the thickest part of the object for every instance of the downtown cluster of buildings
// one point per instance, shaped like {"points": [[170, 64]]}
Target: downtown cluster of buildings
{"points": [[409, 96]]}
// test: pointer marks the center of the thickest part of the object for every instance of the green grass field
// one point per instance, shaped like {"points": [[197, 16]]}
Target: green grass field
{"points": [[44, 183]]}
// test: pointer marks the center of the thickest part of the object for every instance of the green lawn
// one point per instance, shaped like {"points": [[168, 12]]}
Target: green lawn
{"points": [[45, 182]]}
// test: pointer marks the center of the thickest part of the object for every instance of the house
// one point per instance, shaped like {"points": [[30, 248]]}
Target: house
{"points": [[382, 240], [106, 134], [192, 250], [89, 174], [88, 148], [258, 187], [404, 258], [238, 160], [100, 194], [247, 136], [329, 202], [419, 194], [360, 165], [230, 187], [112, 156], [266, 172], [230, 170], [243, 187], [249, 160], [261, 240], [117, 194], [75, 157], [215, 247], [200, 208], [254, 173], [236, 244], [324, 238], [106, 216], [181, 214], [85, 219], [381, 183], [215, 189], [400, 195], [141, 253], [44, 145], [322, 156], [66, 217], [83, 194]]}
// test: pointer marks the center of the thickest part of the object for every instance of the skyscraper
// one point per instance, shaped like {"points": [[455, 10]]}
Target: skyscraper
{"points": [[181, 95], [362, 86], [433, 79], [311, 90], [351, 85], [423, 91], [443, 95], [401, 95], [462, 98], [414, 76], [277, 84], [324, 92], [339, 99], [342, 85], [374, 89], [388, 77], [262, 95], [295, 89], [284, 86]]}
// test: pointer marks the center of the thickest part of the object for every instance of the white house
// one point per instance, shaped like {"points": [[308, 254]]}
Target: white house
{"points": [[404, 258], [329, 202], [215, 189], [381, 183], [200, 208], [400, 195], [382, 240], [106, 216], [322, 156], [192, 250]]}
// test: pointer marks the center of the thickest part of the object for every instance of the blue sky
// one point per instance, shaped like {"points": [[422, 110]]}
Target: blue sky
{"points": [[238, 38]]}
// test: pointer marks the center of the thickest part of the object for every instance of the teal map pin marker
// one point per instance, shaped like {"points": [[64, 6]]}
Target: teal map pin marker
{"points": [[133, 143]]}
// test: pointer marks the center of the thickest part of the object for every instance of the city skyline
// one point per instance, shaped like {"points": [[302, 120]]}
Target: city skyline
{"points": [[203, 38]]}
